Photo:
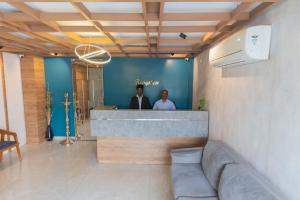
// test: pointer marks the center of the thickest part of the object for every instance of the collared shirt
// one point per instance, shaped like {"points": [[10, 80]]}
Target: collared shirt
{"points": [[164, 105], [140, 101]]}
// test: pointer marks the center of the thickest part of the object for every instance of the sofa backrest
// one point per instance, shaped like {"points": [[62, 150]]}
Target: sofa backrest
{"points": [[241, 182], [215, 156]]}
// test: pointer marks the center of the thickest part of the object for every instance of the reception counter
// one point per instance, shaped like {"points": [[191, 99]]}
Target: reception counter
{"points": [[146, 137]]}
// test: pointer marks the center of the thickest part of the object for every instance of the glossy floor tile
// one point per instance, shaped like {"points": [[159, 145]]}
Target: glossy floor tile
{"points": [[83, 128], [52, 171]]}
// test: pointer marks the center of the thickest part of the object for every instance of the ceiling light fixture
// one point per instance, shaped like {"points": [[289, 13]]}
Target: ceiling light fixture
{"points": [[93, 54]]}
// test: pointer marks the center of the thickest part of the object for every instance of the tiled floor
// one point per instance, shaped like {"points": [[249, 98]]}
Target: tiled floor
{"points": [[52, 171], [84, 130]]}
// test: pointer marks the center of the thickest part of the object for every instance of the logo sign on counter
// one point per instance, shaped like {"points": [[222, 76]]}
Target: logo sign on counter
{"points": [[146, 82]]}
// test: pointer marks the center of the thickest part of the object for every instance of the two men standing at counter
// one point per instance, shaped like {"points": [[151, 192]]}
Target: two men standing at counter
{"points": [[142, 102]]}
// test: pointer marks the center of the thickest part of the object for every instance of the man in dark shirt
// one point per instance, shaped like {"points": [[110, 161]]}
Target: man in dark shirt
{"points": [[139, 101]]}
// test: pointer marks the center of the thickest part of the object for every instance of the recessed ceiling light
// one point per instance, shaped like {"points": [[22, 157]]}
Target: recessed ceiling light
{"points": [[54, 54]]}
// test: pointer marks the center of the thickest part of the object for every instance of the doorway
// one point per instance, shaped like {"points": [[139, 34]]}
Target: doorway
{"points": [[88, 94]]}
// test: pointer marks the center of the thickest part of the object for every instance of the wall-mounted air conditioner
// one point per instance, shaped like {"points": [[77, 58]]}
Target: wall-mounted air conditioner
{"points": [[246, 46]]}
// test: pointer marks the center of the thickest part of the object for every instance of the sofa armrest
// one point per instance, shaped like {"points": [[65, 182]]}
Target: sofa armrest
{"points": [[186, 155]]}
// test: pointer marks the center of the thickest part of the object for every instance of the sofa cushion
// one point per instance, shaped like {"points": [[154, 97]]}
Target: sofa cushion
{"points": [[240, 182], [215, 156], [189, 181]]}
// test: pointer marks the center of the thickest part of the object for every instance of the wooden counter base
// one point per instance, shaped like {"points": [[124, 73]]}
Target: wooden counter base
{"points": [[138, 150]]}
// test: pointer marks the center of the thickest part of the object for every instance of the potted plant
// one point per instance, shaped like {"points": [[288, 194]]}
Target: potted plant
{"points": [[48, 109], [202, 104]]}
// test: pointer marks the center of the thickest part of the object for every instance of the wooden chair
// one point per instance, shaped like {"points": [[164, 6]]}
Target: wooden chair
{"points": [[8, 145]]}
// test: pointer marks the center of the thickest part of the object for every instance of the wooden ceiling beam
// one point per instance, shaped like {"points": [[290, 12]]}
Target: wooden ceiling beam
{"points": [[23, 28], [28, 43], [202, 16], [124, 29], [235, 27], [233, 16], [36, 15], [87, 15], [46, 17], [180, 41], [33, 13], [145, 17], [37, 24], [179, 29], [13, 44], [241, 1], [131, 40], [160, 27]]}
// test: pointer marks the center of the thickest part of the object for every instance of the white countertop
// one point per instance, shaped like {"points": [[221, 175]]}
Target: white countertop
{"points": [[149, 123]]}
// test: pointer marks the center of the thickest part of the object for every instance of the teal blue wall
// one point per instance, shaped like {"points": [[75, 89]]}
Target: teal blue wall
{"points": [[175, 75], [58, 72]]}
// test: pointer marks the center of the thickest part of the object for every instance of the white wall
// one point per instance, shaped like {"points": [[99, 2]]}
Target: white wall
{"points": [[199, 80], [14, 94], [256, 108]]}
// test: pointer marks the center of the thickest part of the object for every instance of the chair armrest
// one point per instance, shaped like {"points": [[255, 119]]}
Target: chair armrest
{"points": [[9, 133], [186, 155]]}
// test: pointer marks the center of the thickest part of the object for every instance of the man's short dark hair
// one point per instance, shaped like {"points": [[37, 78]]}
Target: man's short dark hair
{"points": [[164, 90], [139, 86]]}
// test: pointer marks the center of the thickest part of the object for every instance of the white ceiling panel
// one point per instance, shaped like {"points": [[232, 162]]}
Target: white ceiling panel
{"points": [[135, 45], [190, 23], [21, 35], [128, 44], [74, 23], [176, 35], [90, 34], [199, 7], [152, 34], [107, 45], [153, 23], [53, 7], [58, 34], [129, 35], [49, 44], [175, 44], [5, 7], [114, 7], [253, 6], [122, 23]]}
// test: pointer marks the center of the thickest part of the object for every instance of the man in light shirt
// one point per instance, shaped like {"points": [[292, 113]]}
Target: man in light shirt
{"points": [[139, 101], [164, 103]]}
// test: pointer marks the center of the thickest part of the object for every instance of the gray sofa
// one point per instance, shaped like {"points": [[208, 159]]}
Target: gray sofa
{"points": [[216, 172]]}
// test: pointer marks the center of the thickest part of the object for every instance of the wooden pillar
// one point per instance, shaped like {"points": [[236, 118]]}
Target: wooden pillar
{"points": [[34, 94], [4, 91]]}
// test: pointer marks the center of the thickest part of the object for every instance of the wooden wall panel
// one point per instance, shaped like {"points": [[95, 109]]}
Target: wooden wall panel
{"points": [[81, 88], [138, 150], [3, 85], [33, 81], [41, 96]]}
